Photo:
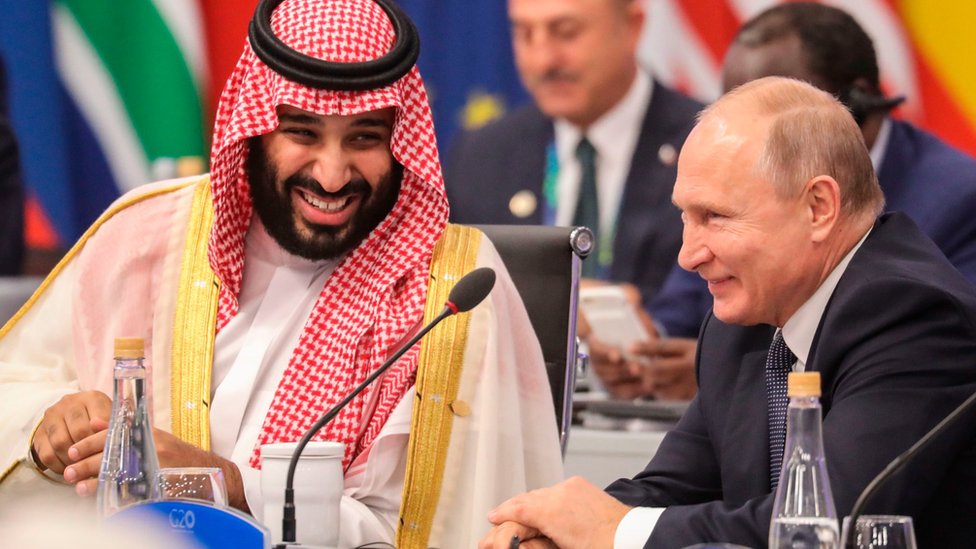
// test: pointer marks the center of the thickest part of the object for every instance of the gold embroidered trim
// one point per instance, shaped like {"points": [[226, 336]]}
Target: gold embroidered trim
{"points": [[114, 209], [8, 470], [193, 330], [438, 376]]}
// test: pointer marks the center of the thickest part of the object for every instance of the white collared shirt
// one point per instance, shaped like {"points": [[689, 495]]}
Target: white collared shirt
{"points": [[614, 136], [880, 147], [799, 330]]}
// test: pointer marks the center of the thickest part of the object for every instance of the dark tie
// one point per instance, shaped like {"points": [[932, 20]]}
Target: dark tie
{"points": [[587, 207], [779, 362]]}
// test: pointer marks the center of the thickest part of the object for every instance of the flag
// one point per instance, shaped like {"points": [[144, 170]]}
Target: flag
{"points": [[105, 97], [466, 62], [134, 80], [923, 52]]}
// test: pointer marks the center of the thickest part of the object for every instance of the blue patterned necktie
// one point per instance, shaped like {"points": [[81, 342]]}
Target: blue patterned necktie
{"points": [[587, 206], [779, 363]]}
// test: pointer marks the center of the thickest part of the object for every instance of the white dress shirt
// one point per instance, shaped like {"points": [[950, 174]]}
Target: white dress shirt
{"points": [[614, 136]]}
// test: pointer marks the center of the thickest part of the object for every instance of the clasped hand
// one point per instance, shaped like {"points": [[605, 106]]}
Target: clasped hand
{"points": [[573, 514], [71, 437], [663, 368]]}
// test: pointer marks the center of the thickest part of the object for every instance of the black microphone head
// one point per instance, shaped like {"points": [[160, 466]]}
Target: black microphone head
{"points": [[471, 290]]}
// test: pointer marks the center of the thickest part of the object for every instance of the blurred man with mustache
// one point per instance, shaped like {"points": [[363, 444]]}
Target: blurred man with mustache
{"points": [[596, 111], [265, 292]]}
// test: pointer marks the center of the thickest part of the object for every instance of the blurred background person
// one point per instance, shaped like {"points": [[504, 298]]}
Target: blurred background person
{"points": [[11, 191], [597, 146]]}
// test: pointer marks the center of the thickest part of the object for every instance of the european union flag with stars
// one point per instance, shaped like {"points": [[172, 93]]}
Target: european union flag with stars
{"points": [[466, 61]]}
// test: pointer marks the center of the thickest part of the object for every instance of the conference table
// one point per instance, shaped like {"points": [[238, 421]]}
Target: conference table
{"points": [[602, 456], [617, 438]]}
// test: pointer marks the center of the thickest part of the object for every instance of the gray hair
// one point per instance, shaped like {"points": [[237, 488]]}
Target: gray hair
{"points": [[811, 133]]}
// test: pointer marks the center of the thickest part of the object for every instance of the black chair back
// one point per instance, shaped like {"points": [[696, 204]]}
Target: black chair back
{"points": [[544, 263], [14, 292]]}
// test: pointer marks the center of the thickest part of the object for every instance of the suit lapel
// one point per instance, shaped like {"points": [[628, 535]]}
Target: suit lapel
{"points": [[529, 165], [649, 183], [745, 451]]}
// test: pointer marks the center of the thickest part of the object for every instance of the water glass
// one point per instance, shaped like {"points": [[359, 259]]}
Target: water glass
{"points": [[192, 483], [882, 532]]}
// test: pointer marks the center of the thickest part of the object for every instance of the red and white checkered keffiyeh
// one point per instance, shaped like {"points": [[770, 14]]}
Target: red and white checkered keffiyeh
{"points": [[375, 298]]}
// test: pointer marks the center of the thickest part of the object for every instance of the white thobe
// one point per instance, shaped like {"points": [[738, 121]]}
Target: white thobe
{"points": [[251, 353]]}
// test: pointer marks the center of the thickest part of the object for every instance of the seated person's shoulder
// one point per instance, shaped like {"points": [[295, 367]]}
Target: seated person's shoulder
{"points": [[948, 167], [906, 273], [685, 103], [679, 109], [147, 205]]}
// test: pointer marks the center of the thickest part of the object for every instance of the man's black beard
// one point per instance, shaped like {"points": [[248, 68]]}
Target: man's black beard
{"points": [[274, 207]]}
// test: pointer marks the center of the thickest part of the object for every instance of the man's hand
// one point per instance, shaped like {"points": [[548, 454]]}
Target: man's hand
{"points": [[503, 536], [66, 423], [573, 514], [667, 367], [621, 377], [663, 368], [172, 452]]}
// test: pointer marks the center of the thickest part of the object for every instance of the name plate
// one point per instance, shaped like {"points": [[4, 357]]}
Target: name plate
{"points": [[206, 525]]}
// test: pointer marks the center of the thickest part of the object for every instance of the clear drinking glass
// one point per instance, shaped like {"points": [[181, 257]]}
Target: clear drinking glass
{"points": [[193, 483], [882, 532]]}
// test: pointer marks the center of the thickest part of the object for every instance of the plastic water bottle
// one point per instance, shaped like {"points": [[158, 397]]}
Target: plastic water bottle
{"points": [[804, 516], [129, 462]]}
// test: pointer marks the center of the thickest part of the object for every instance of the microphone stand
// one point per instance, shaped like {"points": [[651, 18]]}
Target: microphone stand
{"points": [[471, 290], [288, 533], [897, 463]]}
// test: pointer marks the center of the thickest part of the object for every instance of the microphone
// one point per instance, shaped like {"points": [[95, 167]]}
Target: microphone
{"points": [[896, 464], [471, 290]]}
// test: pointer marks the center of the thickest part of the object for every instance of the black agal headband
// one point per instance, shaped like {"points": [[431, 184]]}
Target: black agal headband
{"points": [[316, 73]]}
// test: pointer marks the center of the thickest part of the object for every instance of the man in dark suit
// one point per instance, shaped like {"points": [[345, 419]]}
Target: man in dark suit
{"points": [[920, 175], [11, 191], [577, 58], [780, 203]]}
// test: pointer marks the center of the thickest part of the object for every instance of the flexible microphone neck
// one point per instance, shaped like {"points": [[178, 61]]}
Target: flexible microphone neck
{"points": [[896, 464], [466, 294]]}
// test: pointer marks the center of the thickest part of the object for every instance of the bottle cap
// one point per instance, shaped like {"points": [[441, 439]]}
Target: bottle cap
{"points": [[130, 347], [803, 384]]}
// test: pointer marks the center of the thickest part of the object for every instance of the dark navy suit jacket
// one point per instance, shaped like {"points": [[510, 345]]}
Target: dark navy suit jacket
{"points": [[896, 350], [11, 192], [486, 167], [932, 182]]}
